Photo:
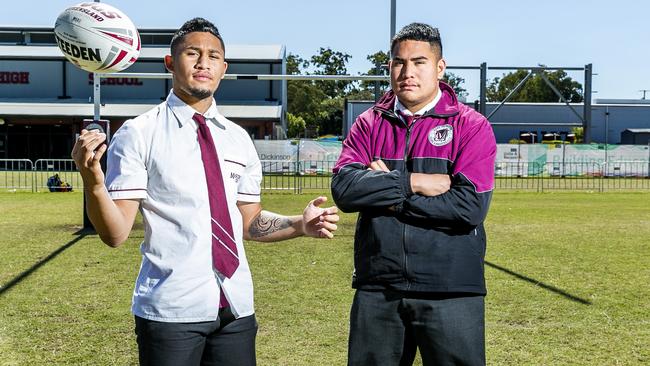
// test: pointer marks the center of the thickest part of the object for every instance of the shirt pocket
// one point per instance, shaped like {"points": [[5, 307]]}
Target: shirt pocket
{"points": [[233, 169]]}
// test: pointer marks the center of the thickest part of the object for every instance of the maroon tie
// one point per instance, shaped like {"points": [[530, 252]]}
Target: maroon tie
{"points": [[224, 249], [408, 119]]}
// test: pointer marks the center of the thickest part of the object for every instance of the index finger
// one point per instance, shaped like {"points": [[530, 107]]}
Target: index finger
{"points": [[383, 166]]}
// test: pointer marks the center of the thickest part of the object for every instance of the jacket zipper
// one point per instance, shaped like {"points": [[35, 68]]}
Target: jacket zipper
{"points": [[404, 244]]}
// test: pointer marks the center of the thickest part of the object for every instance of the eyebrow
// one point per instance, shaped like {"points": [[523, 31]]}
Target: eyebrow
{"points": [[418, 58], [198, 49]]}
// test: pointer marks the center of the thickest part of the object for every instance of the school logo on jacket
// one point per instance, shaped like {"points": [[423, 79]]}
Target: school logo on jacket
{"points": [[441, 135]]}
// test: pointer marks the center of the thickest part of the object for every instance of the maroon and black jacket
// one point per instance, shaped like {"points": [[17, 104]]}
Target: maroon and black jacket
{"points": [[406, 241]]}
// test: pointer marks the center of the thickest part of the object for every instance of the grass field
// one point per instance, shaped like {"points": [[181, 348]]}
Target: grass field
{"points": [[567, 275]]}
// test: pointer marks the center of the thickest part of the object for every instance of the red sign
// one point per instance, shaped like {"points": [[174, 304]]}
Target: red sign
{"points": [[14, 77], [116, 81]]}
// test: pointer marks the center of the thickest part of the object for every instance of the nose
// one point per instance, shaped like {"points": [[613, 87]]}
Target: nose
{"points": [[407, 70], [202, 61]]}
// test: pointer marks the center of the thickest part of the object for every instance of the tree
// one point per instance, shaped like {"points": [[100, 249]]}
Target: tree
{"points": [[456, 82], [328, 62], [295, 125], [295, 64], [319, 104], [380, 58], [535, 89], [579, 134]]}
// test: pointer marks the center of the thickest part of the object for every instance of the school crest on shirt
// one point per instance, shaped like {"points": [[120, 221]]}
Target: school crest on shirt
{"points": [[441, 135]]}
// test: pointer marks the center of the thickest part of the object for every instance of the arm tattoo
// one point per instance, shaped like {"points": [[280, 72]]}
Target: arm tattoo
{"points": [[267, 223]]}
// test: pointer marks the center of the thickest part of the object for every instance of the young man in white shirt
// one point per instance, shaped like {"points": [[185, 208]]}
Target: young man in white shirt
{"points": [[189, 311]]}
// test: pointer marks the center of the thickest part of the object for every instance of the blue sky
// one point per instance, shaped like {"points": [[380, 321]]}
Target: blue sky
{"points": [[612, 35]]}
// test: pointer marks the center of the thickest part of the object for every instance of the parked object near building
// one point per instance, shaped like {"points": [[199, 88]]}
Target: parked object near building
{"points": [[636, 136]]}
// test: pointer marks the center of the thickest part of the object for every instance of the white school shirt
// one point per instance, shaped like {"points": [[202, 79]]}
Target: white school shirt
{"points": [[156, 158]]}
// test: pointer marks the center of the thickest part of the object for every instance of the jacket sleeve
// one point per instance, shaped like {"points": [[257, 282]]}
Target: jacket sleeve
{"points": [[467, 201], [354, 187]]}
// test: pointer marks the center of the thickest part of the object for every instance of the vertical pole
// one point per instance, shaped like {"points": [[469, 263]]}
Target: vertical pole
{"points": [[296, 183], [96, 96], [564, 158], [606, 134], [586, 124], [377, 72], [87, 225], [483, 91], [283, 113], [393, 5]]}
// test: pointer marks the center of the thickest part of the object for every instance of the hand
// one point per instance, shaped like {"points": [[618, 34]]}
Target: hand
{"points": [[87, 152], [319, 222], [378, 165], [430, 184]]}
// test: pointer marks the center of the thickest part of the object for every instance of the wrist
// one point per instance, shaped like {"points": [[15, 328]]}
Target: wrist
{"points": [[95, 189]]}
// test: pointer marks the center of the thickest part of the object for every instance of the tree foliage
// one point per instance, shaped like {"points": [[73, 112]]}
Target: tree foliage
{"points": [[456, 82], [535, 89], [295, 125], [329, 62], [319, 104], [379, 58]]}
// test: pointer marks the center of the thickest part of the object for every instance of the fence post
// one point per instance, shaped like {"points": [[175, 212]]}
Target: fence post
{"points": [[33, 177], [603, 171], [540, 176]]}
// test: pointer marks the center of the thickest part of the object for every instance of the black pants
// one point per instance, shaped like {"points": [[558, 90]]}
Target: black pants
{"points": [[387, 327], [224, 342]]}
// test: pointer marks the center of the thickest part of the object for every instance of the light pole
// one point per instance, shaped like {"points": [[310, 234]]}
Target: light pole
{"points": [[607, 130]]}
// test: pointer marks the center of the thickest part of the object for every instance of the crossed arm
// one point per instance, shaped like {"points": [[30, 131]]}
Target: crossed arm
{"points": [[424, 184]]}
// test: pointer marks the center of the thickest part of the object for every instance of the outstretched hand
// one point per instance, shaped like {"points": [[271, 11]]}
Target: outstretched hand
{"points": [[320, 222]]}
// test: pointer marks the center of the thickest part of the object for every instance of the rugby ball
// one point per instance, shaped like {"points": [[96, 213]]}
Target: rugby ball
{"points": [[97, 37]]}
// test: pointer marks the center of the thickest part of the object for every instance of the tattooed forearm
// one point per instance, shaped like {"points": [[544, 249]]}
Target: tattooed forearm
{"points": [[267, 223]]}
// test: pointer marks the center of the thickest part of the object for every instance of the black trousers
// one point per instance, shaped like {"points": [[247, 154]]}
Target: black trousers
{"points": [[224, 342], [387, 328]]}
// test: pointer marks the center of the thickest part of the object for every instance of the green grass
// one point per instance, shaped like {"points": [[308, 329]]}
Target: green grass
{"points": [[567, 278]]}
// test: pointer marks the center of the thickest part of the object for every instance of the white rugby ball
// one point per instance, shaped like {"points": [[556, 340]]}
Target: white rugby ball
{"points": [[97, 37]]}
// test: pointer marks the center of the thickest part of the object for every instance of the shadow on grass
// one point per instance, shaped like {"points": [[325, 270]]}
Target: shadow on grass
{"points": [[16, 280], [540, 284]]}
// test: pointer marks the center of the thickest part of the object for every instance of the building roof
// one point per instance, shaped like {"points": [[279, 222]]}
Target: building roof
{"points": [[622, 101], [638, 130], [127, 110], [261, 53]]}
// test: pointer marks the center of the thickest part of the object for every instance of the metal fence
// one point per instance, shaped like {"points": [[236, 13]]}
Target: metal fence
{"points": [[16, 174], [571, 176], [23, 175], [297, 177]]}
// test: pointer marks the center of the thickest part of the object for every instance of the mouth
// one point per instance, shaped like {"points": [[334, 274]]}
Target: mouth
{"points": [[407, 86], [201, 76]]}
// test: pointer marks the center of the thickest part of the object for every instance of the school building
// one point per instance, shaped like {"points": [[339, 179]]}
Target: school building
{"points": [[44, 98]]}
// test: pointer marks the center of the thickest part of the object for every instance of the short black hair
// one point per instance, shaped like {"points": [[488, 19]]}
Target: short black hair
{"points": [[419, 32], [195, 25]]}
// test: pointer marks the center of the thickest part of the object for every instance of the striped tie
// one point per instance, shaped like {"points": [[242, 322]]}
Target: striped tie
{"points": [[224, 249]]}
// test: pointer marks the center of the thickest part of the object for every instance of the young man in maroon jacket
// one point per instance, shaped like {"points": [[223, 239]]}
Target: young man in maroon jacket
{"points": [[419, 168]]}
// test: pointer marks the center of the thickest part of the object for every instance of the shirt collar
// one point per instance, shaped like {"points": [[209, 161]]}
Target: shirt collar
{"points": [[184, 112], [399, 107]]}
